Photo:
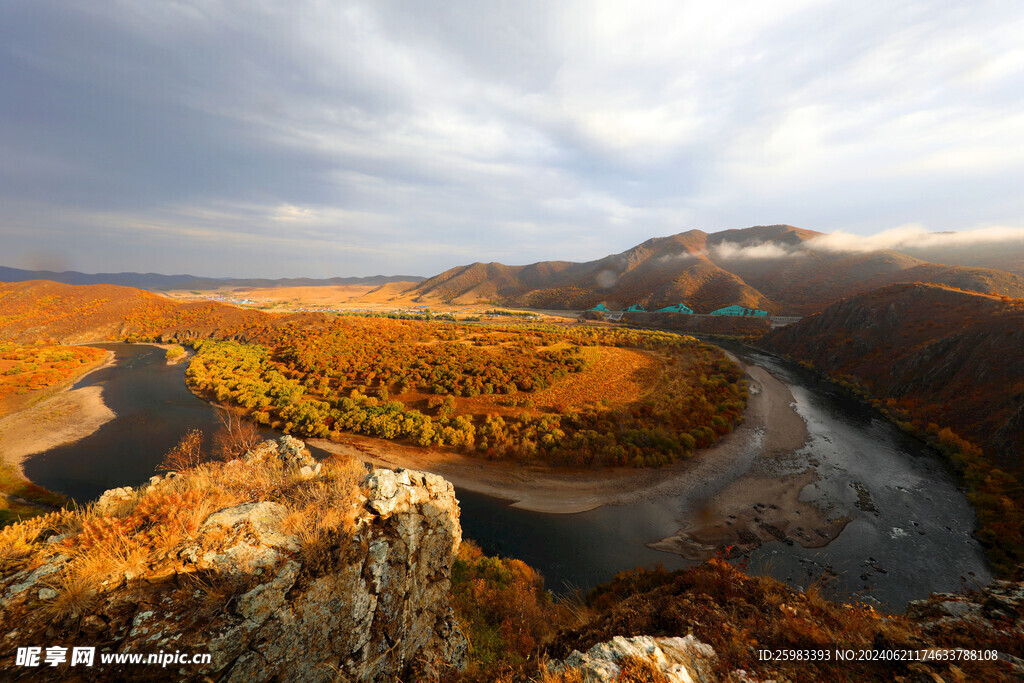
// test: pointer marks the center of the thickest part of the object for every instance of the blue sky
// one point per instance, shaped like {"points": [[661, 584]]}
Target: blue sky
{"points": [[312, 138]]}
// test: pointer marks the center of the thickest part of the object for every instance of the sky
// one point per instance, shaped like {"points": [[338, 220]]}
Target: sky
{"points": [[266, 138]]}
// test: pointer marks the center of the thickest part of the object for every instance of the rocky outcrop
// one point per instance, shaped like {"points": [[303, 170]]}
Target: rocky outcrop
{"points": [[990, 618], [261, 599], [678, 660]]}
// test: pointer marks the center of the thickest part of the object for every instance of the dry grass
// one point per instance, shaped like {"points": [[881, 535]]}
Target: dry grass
{"points": [[76, 594], [546, 675], [325, 508], [146, 531]]}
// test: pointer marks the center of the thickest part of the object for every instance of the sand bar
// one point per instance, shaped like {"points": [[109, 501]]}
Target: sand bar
{"points": [[564, 490], [734, 497], [61, 419]]}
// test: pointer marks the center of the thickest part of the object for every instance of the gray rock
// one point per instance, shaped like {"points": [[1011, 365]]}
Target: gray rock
{"points": [[111, 499], [681, 660], [29, 578], [364, 608]]}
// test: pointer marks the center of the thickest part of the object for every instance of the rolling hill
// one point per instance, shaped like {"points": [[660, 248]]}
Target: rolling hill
{"points": [[776, 268], [44, 310]]}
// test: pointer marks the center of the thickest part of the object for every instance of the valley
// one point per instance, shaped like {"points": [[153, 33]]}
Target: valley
{"points": [[865, 435]]}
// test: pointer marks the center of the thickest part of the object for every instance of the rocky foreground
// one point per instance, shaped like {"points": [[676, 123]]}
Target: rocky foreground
{"points": [[266, 600], [281, 568]]}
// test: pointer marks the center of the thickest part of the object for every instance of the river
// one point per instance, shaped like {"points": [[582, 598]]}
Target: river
{"points": [[908, 534]]}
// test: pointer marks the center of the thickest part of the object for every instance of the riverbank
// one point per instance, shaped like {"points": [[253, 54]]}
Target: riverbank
{"points": [[769, 419], [61, 418], [744, 491], [565, 490], [186, 355]]}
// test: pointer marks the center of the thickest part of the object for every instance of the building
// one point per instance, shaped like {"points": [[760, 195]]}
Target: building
{"points": [[740, 311], [600, 307], [636, 308], [678, 308]]}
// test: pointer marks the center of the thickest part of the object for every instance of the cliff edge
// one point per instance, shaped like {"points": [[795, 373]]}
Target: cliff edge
{"points": [[311, 571]]}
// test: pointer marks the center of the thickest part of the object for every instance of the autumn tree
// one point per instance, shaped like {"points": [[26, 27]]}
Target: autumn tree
{"points": [[188, 453], [236, 436]]}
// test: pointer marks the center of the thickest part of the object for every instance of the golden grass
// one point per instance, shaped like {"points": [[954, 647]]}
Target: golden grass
{"points": [[615, 375], [76, 594], [147, 530]]}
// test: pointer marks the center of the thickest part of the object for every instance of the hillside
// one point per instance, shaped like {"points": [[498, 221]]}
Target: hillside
{"points": [[947, 365], [775, 268], [42, 310], [269, 567], [1007, 256], [952, 357], [272, 566], [158, 282]]}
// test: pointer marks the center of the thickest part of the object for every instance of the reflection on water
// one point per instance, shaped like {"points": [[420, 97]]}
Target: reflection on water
{"points": [[909, 533], [154, 409]]}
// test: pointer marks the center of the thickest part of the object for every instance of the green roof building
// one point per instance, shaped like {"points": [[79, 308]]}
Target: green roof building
{"points": [[678, 308], [600, 307], [636, 308], [740, 311]]}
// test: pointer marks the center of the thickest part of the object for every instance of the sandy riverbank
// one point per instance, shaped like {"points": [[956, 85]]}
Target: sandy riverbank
{"points": [[764, 503], [64, 418], [167, 347], [736, 498], [558, 490]]}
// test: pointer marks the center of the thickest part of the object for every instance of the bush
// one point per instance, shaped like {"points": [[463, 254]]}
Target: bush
{"points": [[175, 353]]}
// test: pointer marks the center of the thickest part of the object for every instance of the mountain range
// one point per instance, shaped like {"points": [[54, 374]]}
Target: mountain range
{"points": [[778, 268]]}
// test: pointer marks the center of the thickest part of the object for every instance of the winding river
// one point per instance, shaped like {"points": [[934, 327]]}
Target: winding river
{"points": [[908, 532]]}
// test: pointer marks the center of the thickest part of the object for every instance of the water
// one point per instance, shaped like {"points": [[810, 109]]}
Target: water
{"points": [[909, 533], [154, 409], [910, 529]]}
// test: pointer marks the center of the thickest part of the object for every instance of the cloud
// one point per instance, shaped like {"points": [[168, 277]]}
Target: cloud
{"points": [[917, 237], [419, 136], [679, 257], [763, 250]]}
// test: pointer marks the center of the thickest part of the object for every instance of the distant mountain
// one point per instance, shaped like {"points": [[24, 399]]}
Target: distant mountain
{"points": [[160, 283], [999, 256], [777, 268], [947, 356]]}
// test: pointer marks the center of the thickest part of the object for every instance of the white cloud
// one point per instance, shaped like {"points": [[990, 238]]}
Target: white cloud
{"points": [[764, 250], [916, 236], [523, 132]]}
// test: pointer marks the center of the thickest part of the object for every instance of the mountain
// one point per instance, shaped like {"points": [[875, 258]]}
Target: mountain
{"points": [[948, 356], [1001, 256], [777, 268], [157, 282], [947, 364]]}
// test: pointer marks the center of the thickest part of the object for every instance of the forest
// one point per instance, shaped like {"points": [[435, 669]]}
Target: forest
{"points": [[566, 396]]}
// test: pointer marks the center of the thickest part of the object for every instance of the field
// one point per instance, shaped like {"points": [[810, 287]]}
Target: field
{"points": [[572, 395], [568, 395]]}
